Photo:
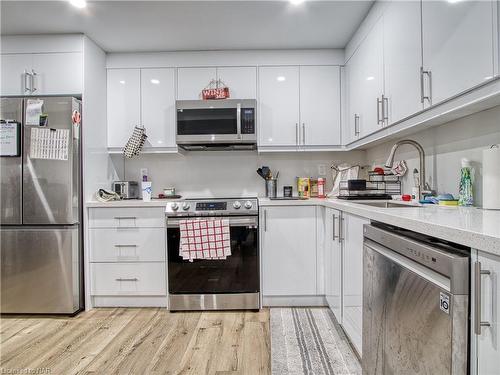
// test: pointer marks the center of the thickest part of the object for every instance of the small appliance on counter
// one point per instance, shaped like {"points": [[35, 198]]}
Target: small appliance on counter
{"points": [[126, 189]]}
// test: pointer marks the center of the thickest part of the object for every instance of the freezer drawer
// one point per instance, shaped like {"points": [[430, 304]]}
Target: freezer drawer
{"points": [[40, 270]]}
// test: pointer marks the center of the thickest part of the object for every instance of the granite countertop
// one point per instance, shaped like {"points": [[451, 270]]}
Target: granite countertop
{"points": [[469, 226]]}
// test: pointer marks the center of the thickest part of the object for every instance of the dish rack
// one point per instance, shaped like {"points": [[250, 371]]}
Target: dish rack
{"points": [[377, 185]]}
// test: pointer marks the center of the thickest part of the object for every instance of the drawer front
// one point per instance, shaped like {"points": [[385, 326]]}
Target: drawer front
{"points": [[111, 279], [127, 245], [130, 217]]}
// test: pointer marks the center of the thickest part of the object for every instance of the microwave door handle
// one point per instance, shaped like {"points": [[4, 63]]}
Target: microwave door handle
{"points": [[238, 120]]}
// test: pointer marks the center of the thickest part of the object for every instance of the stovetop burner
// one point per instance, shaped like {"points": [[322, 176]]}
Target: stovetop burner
{"points": [[213, 207]]}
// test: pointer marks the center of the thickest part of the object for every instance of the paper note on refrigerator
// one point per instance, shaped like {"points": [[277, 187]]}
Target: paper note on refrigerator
{"points": [[33, 111], [49, 143]]}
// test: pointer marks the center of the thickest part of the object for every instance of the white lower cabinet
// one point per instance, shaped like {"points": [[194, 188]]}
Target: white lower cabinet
{"points": [[128, 256], [333, 262], [288, 250], [351, 235], [486, 340]]}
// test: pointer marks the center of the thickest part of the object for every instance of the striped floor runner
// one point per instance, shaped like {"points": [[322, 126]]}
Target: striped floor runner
{"points": [[309, 341]]}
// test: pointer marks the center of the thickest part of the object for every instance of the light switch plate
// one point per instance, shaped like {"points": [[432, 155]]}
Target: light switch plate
{"points": [[322, 170]]}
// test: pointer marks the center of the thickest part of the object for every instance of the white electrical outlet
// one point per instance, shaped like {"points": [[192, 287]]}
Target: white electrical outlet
{"points": [[322, 170]]}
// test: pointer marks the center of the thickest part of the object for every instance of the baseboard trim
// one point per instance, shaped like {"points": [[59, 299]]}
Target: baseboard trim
{"points": [[133, 301]]}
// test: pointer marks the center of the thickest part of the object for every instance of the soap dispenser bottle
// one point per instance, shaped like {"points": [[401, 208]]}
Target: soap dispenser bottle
{"points": [[465, 196]]}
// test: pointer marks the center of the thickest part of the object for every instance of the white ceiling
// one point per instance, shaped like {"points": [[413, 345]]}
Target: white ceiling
{"points": [[127, 26]]}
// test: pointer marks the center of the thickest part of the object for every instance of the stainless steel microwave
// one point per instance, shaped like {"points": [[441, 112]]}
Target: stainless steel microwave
{"points": [[227, 124]]}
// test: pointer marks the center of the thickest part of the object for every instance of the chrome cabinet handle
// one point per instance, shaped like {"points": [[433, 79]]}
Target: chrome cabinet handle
{"points": [[424, 97], [33, 77], [303, 133], [27, 81], [334, 235], [341, 226], [125, 279], [125, 217], [379, 104], [478, 323], [385, 110], [125, 245], [356, 124], [297, 133], [265, 220]]}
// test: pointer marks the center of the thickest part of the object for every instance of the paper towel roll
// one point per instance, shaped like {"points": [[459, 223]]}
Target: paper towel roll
{"points": [[491, 178]]}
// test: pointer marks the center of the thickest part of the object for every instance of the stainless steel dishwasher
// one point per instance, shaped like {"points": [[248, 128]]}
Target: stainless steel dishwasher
{"points": [[415, 303]]}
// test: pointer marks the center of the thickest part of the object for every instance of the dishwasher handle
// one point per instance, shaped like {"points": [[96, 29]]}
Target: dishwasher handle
{"points": [[478, 323]]}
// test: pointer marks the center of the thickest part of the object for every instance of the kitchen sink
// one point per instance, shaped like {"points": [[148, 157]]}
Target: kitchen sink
{"points": [[388, 205]]}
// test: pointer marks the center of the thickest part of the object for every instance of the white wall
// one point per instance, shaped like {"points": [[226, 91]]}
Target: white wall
{"points": [[445, 146], [229, 174]]}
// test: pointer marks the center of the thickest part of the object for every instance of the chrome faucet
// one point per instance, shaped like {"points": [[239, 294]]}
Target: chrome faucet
{"points": [[423, 187]]}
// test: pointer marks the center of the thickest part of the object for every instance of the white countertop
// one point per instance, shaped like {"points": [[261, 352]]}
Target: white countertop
{"points": [[474, 227], [469, 226]]}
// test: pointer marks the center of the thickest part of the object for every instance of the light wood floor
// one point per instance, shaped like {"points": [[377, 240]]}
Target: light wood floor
{"points": [[138, 341]]}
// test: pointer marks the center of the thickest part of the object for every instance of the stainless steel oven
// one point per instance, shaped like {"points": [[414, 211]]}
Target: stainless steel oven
{"points": [[232, 283], [216, 124]]}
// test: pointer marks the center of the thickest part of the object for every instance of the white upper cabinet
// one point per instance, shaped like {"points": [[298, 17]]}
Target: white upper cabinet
{"points": [[279, 106], [58, 73], [320, 105], [191, 81], [242, 81], [289, 251], [457, 46], [352, 103], [14, 80], [402, 59], [124, 104], [42, 74], [158, 106]]}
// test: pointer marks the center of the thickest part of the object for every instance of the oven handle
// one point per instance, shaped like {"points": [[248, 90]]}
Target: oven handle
{"points": [[173, 222]]}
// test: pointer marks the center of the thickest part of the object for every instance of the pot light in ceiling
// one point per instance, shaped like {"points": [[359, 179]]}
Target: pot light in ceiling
{"points": [[122, 82], [280, 78], [78, 3], [454, 1], [155, 81], [296, 2], [370, 78]]}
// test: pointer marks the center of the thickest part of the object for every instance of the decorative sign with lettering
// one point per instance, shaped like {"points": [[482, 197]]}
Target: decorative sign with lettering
{"points": [[216, 89]]}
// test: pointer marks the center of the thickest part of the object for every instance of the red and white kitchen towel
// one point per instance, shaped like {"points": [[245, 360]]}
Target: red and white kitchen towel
{"points": [[204, 239]]}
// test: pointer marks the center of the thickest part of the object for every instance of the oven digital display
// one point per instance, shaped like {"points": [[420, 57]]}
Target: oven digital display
{"points": [[211, 206]]}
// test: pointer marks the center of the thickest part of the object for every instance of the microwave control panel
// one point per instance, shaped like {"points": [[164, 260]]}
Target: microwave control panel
{"points": [[247, 121]]}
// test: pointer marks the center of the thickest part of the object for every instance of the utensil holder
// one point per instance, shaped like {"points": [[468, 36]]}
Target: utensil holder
{"points": [[271, 188]]}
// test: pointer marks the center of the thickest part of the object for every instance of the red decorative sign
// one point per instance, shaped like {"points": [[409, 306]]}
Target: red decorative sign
{"points": [[218, 93]]}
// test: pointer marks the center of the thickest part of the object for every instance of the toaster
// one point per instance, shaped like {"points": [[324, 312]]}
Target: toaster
{"points": [[126, 189]]}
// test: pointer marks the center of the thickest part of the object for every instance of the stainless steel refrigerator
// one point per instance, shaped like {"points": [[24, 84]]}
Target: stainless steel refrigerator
{"points": [[41, 206]]}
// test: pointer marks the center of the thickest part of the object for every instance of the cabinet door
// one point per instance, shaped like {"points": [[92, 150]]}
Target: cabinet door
{"points": [[457, 45], [191, 81], [242, 81], [352, 317], [279, 106], [333, 262], [320, 105], [488, 348], [353, 91], [124, 104], [158, 106], [58, 73], [402, 59], [13, 69], [289, 251], [371, 80]]}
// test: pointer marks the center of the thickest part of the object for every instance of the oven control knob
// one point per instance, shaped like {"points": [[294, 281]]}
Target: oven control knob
{"points": [[248, 205], [174, 206], [185, 206], [237, 205]]}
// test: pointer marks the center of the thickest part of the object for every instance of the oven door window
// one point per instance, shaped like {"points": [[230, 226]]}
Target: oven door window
{"points": [[239, 273], [206, 121]]}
